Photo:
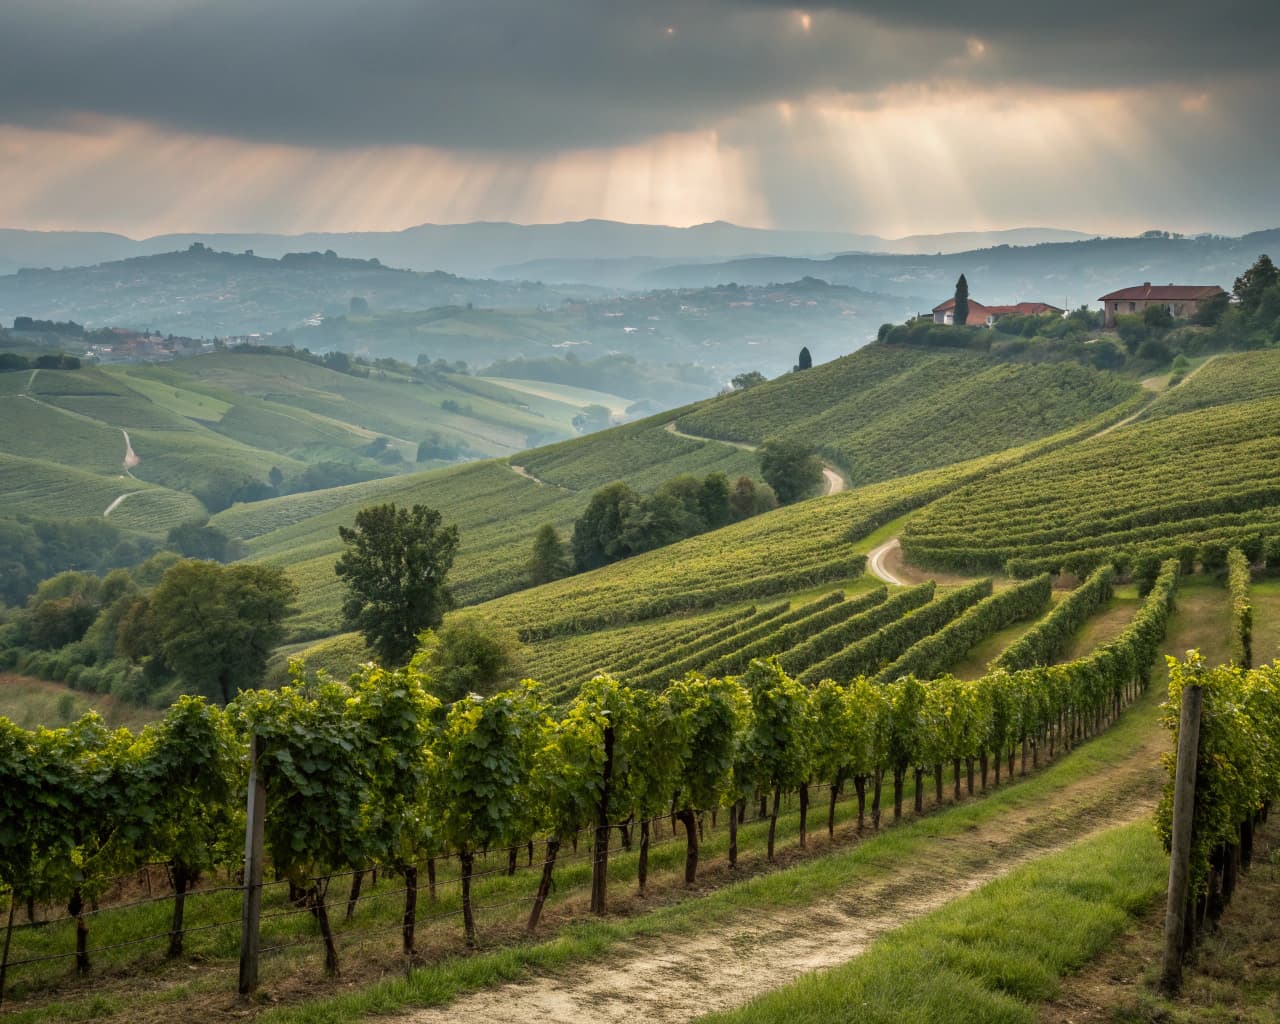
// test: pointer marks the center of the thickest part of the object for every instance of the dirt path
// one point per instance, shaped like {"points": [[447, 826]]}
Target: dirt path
{"points": [[116, 504], [130, 456], [671, 429], [1143, 411], [832, 482], [30, 382], [521, 471], [676, 979]]}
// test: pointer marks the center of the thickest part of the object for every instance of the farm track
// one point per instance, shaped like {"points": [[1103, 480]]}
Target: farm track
{"points": [[117, 503], [876, 561], [679, 978], [833, 481]]}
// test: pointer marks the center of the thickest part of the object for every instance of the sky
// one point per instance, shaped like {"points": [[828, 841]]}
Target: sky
{"points": [[892, 117]]}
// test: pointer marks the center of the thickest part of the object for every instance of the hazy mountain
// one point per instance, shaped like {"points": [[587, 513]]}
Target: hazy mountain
{"points": [[1066, 274], [201, 292], [480, 248]]}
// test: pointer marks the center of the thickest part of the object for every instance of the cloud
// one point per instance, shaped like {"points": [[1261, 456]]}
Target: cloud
{"points": [[531, 75]]}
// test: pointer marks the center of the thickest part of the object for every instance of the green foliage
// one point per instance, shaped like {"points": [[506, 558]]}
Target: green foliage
{"points": [[886, 411], [791, 469], [889, 642], [1250, 286], [750, 379], [469, 656], [929, 656], [192, 540], [831, 640], [550, 558], [1198, 479], [1043, 642], [395, 568], [1238, 761], [216, 626], [960, 316], [1238, 579]]}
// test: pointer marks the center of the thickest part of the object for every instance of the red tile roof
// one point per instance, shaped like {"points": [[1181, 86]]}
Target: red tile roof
{"points": [[978, 313], [1163, 293]]}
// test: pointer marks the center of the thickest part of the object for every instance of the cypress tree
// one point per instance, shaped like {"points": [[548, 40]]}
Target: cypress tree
{"points": [[961, 315], [805, 361]]}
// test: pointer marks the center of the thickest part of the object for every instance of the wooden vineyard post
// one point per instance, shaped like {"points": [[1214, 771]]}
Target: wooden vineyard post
{"points": [[1184, 809], [252, 900]]}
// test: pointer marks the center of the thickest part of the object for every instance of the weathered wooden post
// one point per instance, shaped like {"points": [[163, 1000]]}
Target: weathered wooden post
{"points": [[1184, 809], [251, 905]]}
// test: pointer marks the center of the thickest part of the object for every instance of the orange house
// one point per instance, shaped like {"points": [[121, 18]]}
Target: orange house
{"points": [[1182, 300], [985, 316]]}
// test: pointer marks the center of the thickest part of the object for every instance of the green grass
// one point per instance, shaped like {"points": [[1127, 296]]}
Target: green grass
{"points": [[1226, 379], [885, 411], [989, 957], [1266, 620]]}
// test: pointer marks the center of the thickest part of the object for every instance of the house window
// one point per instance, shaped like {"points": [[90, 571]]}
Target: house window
{"points": [[1133, 307]]}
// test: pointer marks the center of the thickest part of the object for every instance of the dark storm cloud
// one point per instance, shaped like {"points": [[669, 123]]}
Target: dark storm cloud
{"points": [[548, 74]]}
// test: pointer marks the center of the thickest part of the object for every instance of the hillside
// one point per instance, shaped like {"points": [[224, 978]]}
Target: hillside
{"points": [[1184, 483], [498, 509], [201, 433], [886, 411]]}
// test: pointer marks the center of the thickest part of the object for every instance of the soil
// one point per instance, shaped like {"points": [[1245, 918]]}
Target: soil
{"points": [[679, 978]]}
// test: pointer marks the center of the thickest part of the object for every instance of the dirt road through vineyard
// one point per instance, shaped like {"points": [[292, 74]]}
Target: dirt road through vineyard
{"points": [[678, 978]]}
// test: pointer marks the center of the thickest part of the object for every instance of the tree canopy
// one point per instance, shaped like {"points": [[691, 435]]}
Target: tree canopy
{"points": [[791, 469], [395, 568], [960, 316]]}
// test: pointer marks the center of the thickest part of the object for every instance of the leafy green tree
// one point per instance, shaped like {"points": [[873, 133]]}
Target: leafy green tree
{"points": [[480, 776], [653, 755], [805, 360], [791, 469], [215, 626], [395, 568], [713, 501], [598, 532], [550, 559], [1250, 286], [1157, 319], [193, 540], [960, 315], [468, 655], [748, 499], [591, 418], [748, 380]]}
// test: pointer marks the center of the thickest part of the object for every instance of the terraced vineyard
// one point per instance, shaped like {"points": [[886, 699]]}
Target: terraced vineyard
{"points": [[1183, 485], [885, 411]]}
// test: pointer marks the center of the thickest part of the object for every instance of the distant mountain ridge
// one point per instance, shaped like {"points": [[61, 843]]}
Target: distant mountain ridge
{"points": [[481, 248]]}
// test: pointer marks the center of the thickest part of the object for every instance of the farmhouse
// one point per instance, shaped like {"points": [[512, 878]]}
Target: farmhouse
{"points": [[985, 316], [1182, 300]]}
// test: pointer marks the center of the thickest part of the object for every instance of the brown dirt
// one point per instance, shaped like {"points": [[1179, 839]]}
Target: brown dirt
{"points": [[680, 978], [1235, 975]]}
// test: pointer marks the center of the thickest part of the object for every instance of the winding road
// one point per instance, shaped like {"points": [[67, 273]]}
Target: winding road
{"points": [[876, 561], [833, 481]]}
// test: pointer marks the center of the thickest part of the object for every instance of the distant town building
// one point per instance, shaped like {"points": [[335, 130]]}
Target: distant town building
{"points": [[1181, 300], [985, 316]]}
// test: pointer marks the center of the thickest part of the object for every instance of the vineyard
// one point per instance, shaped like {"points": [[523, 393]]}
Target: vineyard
{"points": [[1189, 486], [884, 412], [374, 773]]}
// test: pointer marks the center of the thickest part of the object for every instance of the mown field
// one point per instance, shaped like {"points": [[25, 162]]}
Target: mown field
{"points": [[887, 411]]}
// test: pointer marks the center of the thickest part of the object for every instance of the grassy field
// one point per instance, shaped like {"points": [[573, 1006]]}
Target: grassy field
{"points": [[35, 702]]}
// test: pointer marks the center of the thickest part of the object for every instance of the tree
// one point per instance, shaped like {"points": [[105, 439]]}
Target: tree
{"points": [[192, 540], [597, 533], [805, 362], [216, 625], [395, 568], [275, 477], [960, 315], [1250, 285], [550, 559], [748, 380], [468, 655], [791, 469], [591, 417], [1157, 319], [747, 499]]}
